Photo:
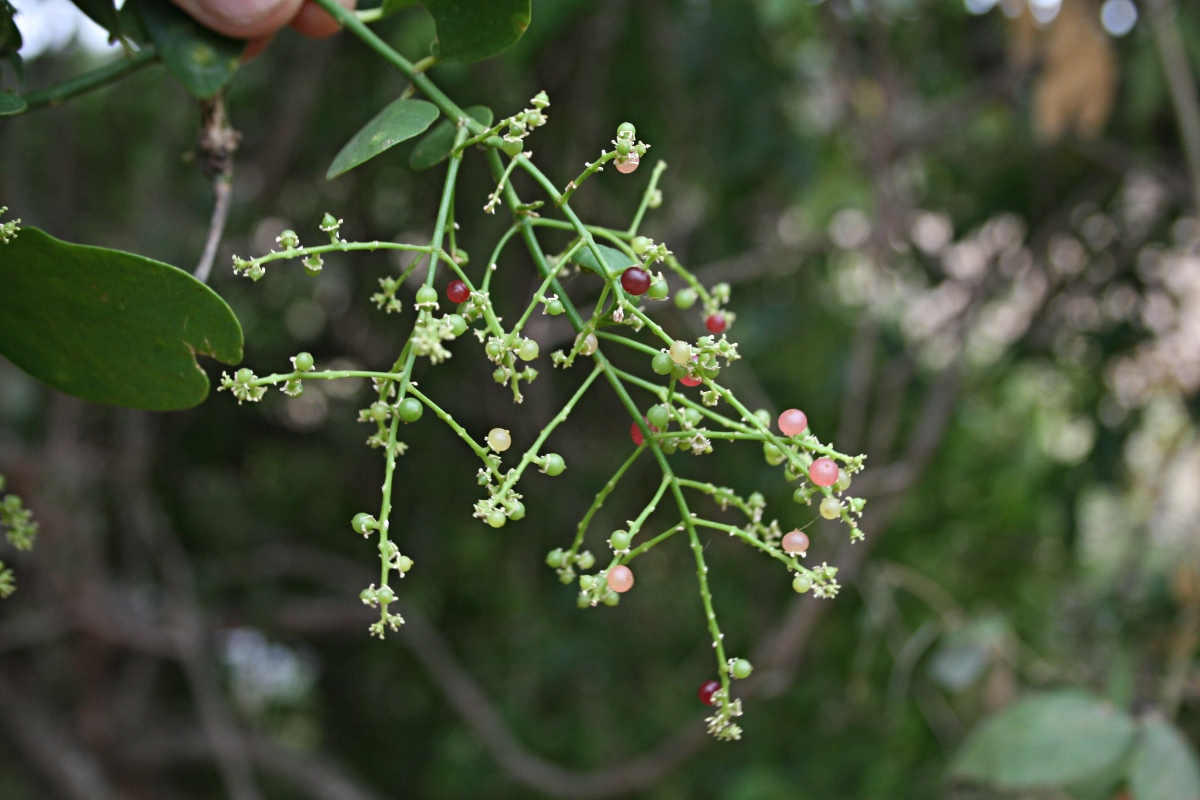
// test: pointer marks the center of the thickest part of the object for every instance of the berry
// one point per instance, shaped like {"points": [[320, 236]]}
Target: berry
{"points": [[499, 440], [620, 540], [410, 409], [405, 564], [793, 422], [681, 352], [823, 472], [588, 344], [555, 558], [843, 481], [458, 292], [801, 583], [795, 543], [640, 244], [691, 416], [553, 464], [688, 380], [635, 280], [457, 325], [585, 560], [831, 508], [635, 433], [244, 375], [627, 164], [620, 579], [496, 518], [517, 512], [658, 290], [494, 349], [685, 298], [380, 411], [303, 362], [707, 690], [426, 296], [586, 582], [773, 455], [612, 599], [512, 149], [662, 363], [659, 417], [362, 523], [626, 130], [554, 308], [716, 324], [622, 148], [764, 417], [741, 669], [528, 350]]}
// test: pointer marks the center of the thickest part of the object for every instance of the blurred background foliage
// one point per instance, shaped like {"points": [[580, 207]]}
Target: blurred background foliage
{"points": [[962, 237]]}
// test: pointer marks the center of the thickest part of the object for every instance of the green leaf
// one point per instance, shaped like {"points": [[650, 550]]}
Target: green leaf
{"points": [[201, 59], [436, 146], [1047, 740], [1164, 767], [392, 6], [103, 12], [108, 326], [10, 39], [400, 120], [472, 30], [11, 103], [617, 260]]}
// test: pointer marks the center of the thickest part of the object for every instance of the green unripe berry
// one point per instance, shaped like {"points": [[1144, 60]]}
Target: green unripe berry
{"points": [[363, 523], [691, 416], [405, 564], [426, 296], [800, 496], [620, 540], [685, 298], [658, 290], [457, 325], [773, 454], [764, 417], [612, 598], [553, 464], [583, 601], [661, 364], [496, 518], [380, 411], [586, 582], [494, 142], [668, 446], [554, 308], [681, 352], [512, 149], [678, 371], [831, 508], [528, 350], [741, 669], [303, 362], [622, 147], [494, 349], [626, 131], [517, 512], [555, 558], [641, 244], [843, 481], [659, 416], [244, 375], [410, 409], [801, 583], [566, 577], [586, 560], [500, 375]]}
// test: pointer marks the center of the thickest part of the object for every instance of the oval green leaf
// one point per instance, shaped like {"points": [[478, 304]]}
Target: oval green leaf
{"points": [[108, 326], [400, 120], [436, 146], [200, 59], [472, 30], [617, 260], [1164, 767], [1048, 740], [10, 104]]}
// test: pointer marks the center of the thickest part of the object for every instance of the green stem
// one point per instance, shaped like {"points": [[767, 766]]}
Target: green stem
{"points": [[89, 81], [649, 193]]}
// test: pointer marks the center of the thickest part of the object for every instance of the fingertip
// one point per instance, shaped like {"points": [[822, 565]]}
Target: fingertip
{"points": [[242, 19], [312, 20]]}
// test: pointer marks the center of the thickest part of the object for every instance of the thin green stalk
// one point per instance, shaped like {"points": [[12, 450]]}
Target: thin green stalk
{"points": [[646, 196], [601, 496], [92, 80]]}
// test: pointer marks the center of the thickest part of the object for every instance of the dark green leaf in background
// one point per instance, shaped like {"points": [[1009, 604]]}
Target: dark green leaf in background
{"points": [[472, 30], [10, 104], [1047, 740], [10, 39], [400, 120], [108, 326], [1164, 767], [202, 60], [104, 13], [436, 146], [617, 261]]}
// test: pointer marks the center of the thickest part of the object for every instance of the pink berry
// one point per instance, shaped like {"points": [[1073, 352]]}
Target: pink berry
{"points": [[688, 380], [635, 280], [628, 164], [823, 472], [635, 433], [792, 422], [707, 690], [795, 542], [457, 292], [716, 324], [620, 579]]}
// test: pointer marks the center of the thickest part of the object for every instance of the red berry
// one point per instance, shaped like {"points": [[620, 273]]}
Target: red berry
{"points": [[635, 433], [707, 690], [635, 280], [792, 422], [823, 472], [457, 292], [620, 579], [716, 324], [688, 380]]}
